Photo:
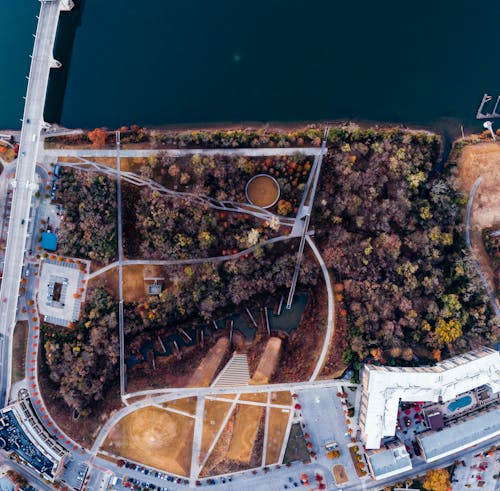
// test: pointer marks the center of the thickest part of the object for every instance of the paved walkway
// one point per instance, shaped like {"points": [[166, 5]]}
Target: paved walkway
{"points": [[331, 311], [182, 152]]}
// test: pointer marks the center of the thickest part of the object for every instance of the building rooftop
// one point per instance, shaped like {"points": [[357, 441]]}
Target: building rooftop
{"points": [[49, 241], [384, 387], [463, 434], [387, 462]]}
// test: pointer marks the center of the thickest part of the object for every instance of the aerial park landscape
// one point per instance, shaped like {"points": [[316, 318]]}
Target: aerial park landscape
{"points": [[255, 306]]}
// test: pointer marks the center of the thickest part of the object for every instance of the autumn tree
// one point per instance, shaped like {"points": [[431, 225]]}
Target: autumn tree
{"points": [[437, 480], [97, 137]]}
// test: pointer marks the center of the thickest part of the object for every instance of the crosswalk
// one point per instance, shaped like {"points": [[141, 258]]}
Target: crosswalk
{"points": [[235, 373]]}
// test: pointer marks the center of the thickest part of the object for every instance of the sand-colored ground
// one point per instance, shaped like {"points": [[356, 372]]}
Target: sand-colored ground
{"points": [[208, 367], [262, 191], [154, 437], [229, 397], [134, 285], [254, 397], [283, 397], [186, 405], [268, 362], [482, 160], [246, 426], [278, 421], [127, 164], [213, 417], [340, 474]]}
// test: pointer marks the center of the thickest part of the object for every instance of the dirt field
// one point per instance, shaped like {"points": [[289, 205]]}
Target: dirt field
{"points": [[154, 437], [268, 362], [284, 398], [262, 191], [19, 350], [254, 397], [134, 286], [215, 412], [278, 421], [246, 426], [209, 365], [340, 474], [482, 160], [186, 404]]}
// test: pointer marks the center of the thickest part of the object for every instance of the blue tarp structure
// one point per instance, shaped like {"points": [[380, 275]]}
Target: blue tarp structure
{"points": [[49, 241]]}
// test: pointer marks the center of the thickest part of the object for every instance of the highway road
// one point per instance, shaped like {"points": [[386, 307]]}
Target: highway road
{"points": [[24, 183]]}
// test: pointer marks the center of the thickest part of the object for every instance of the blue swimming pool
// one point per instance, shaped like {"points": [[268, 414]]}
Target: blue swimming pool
{"points": [[460, 403]]}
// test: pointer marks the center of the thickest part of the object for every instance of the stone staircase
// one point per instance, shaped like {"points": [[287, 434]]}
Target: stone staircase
{"points": [[234, 373]]}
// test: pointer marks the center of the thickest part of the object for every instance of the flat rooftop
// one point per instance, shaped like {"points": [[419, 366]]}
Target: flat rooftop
{"points": [[463, 434], [387, 462]]}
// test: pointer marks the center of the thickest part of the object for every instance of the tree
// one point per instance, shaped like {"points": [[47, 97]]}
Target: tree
{"points": [[447, 332], [97, 137], [437, 480]]}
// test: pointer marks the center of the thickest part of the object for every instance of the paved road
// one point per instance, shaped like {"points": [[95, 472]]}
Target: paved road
{"points": [[247, 152], [24, 181]]}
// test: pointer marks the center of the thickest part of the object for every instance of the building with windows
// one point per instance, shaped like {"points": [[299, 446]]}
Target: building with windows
{"points": [[22, 434], [384, 387]]}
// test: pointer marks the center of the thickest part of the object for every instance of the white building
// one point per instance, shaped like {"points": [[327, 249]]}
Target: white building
{"points": [[384, 387], [388, 462]]}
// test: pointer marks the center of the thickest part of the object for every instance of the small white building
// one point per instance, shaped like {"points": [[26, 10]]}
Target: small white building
{"points": [[388, 461], [384, 387]]}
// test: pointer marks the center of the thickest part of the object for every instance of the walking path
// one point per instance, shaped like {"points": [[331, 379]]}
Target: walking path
{"points": [[197, 260], [331, 310], [180, 152], [487, 287], [199, 199]]}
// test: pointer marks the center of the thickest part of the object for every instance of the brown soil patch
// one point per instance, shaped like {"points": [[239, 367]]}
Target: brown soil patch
{"points": [[230, 397], [268, 362], [154, 437], [278, 421], [340, 474], [209, 365], [254, 397], [134, 286], [186, 405], [19, 340], [262, 191], [482, 160], [213, 417], [284, 398], [127, 164], [246, 426], [70, 160]]}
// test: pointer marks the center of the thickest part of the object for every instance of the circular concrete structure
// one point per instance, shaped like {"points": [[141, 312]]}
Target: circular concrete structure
{"points": [[262, 190]]}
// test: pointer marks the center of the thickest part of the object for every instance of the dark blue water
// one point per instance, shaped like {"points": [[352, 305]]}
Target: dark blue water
{"points": [[160, 62]]}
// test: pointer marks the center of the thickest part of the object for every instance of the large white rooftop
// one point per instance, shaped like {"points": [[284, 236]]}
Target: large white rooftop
{"points": [[385, 387], [461, 435]]}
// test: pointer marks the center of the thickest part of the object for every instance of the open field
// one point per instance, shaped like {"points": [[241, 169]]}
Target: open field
{"points": [[210, 364], [19, 350], [186, 405], [154, 437], [283, 397], [482, 160], [254, 397], [246, 426], [213, 417], [278, 421], [134, 286]]}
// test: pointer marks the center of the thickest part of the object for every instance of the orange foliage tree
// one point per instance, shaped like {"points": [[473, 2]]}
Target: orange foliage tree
{"points": [[97, 137]]}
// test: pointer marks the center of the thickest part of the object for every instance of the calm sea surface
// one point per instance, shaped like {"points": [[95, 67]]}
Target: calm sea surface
{"points": [[158, 62]]}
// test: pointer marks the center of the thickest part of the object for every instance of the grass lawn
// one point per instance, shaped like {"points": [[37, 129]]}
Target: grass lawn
{"points": [[19, 351]]}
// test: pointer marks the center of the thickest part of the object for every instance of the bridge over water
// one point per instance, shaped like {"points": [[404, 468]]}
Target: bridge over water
{"points": [[24, 184]]}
